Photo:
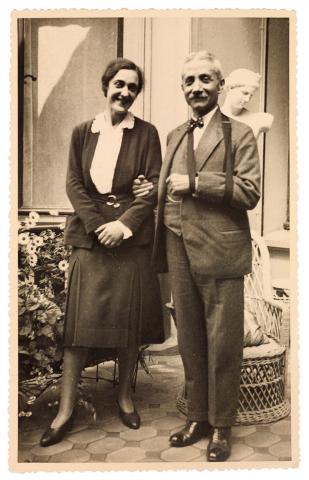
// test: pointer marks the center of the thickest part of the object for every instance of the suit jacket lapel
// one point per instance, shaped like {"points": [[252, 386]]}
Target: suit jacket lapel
{"points": [[212, 135], [171, 149]]}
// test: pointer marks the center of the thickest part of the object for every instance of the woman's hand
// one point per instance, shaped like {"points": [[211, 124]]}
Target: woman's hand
{"points": [[141, 186], [110, 234]]}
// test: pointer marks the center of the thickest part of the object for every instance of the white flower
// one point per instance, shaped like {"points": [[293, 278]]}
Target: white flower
{"points": [[37, 241], [34, 216], [49, 235], [29, 223], [61, 226], [23, 238], [63, 265], [33, 260], [55, 213], [31, 248]]}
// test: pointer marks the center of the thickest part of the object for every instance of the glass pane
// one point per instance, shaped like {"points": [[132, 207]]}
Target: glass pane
{"points": [[68, 57], [235, 41]]}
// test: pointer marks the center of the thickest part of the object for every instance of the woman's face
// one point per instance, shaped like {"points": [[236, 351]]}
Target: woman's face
{"points": [[122, 91], [239, 97]]}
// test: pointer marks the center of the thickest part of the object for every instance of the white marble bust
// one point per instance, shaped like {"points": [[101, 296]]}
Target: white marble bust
{"points": [[240, 86]]}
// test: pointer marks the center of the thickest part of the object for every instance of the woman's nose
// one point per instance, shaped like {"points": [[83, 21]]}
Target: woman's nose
{"points": [[125, 91]]}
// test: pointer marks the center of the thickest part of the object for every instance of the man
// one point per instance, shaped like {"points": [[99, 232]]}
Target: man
{"points": [[209, 179]]}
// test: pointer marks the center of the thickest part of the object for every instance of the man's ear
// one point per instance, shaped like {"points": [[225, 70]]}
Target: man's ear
{"points": [[221, 85]]}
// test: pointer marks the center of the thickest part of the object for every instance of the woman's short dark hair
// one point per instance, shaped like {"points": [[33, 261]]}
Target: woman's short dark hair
{"points": [[119, 64]]}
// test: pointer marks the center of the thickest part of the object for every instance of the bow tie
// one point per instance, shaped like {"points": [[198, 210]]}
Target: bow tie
{"points": [[192, 123]]}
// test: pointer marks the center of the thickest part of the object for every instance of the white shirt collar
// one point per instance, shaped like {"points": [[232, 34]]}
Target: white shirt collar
{"points": [[208, 116], [102, 122]]}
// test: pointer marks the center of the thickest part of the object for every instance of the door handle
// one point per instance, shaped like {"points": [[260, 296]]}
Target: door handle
{"points": [[28, 75]]}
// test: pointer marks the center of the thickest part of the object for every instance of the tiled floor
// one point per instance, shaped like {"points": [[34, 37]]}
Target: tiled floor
{"points": [[108, 440]]}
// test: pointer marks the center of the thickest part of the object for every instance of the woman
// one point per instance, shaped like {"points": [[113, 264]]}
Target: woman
{"points": [[113, 296], [241, 85]]}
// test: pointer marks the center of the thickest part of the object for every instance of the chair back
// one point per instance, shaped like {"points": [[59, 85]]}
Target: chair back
{"points": [[258, 290]]}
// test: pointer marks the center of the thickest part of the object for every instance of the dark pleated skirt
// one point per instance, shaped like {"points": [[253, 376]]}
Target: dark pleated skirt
{"points": [[113, 299]]}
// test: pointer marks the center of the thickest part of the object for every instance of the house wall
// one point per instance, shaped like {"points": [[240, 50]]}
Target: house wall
{"points": [[69, 92], [254, 43]]}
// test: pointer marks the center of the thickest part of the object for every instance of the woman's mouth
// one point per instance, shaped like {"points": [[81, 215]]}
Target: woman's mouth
{"points": [[123, 102]]}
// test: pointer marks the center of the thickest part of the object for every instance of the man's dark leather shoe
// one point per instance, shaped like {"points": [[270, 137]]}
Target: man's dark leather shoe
{"points": [[219, 447], [191, 433]]}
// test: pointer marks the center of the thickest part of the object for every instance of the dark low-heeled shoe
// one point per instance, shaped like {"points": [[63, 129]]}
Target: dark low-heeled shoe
{"points": [[55, 435], [219, 447], [191, 433], [131, 420]]}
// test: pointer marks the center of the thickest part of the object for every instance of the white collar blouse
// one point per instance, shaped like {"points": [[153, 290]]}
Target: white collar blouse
{"points": [[107, 149]]}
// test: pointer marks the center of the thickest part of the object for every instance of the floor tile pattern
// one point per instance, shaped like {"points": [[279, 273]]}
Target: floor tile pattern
{"points": [[106, 439]]}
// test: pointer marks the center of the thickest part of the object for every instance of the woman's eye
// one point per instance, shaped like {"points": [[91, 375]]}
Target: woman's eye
{"points": [[119, 84], [132, 87]]}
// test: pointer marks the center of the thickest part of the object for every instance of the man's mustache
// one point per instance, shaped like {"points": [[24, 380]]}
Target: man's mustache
{"points": [[198, 96]]}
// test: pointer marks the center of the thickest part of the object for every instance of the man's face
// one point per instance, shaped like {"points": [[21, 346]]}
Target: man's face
{"points": [[201, 86]]}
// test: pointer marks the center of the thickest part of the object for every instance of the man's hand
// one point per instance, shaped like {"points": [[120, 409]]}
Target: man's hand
{"points": [[178, 184], [110, 234], [141, 186]]}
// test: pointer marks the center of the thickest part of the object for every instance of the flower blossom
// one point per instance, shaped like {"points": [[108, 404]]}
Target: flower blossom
{"points": [[33, 260], [37, 241], [29, 223], [49, 235], [63, 265], [23, 238], [34, 216], [31, 248]]}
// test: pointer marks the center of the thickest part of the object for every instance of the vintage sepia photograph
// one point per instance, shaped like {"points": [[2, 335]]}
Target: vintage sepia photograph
{"points": [[154, 248]]}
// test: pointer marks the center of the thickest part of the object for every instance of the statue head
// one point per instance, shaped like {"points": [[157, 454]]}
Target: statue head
{"points": [[241, 85]]}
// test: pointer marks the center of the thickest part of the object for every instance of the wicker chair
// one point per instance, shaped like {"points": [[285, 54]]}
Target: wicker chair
{"points": [[263, 374]]}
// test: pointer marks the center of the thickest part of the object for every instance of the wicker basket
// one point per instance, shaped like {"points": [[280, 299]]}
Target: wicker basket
{"points": [[262, 396]]}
